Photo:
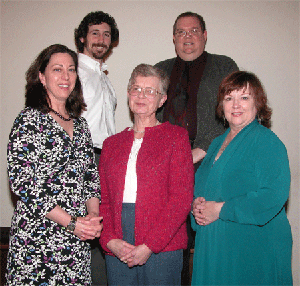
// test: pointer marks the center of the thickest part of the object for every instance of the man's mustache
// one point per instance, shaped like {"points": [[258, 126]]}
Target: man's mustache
{"points": [[100, 45]]}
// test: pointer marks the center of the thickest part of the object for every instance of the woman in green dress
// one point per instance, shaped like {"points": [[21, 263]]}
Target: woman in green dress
{"points": [[243, 236]]}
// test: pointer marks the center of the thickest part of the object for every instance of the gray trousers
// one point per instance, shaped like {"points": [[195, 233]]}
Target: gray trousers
{"points": [[161, 269]]}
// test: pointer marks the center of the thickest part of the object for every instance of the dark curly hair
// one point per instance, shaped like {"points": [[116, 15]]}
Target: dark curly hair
{"points": [[240, 80], [35, 93], [95, 18]]}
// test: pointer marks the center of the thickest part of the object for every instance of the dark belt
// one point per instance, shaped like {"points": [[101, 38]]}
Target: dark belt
{"points": [[97, 150]]}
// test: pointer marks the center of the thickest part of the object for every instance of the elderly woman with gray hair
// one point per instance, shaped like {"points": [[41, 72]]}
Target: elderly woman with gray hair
{"points": [[147, 177]]}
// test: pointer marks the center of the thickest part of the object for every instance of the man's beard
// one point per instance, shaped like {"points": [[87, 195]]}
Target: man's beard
{"points": [[99, 55]]}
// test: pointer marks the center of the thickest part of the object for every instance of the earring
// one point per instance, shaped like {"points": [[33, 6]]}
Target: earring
{"points": [[224, 120], [259, 119]]}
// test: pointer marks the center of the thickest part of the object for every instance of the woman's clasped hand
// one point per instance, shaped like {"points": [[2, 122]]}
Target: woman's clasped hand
{"points": [[206, 212], [88, 227]]}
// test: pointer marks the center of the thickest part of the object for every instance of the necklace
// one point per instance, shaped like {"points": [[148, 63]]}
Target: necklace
{"points": [[137, 131], [60, 116]]}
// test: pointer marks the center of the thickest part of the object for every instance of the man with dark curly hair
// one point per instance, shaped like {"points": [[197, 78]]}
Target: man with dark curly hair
{"points": [[95, 37]]}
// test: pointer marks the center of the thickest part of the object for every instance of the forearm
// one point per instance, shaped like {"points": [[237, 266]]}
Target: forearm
{"points": [[93, 206], [59, 216], [84, 228]]}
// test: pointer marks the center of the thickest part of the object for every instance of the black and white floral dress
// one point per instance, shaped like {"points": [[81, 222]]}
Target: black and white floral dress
{"points": [[46, 168]]}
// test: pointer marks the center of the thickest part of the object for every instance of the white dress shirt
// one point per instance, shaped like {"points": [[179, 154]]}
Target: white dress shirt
{"points": [[100, 98]]}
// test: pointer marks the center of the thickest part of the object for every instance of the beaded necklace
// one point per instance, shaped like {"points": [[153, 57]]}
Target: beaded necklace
{"points": [[60, 116]]}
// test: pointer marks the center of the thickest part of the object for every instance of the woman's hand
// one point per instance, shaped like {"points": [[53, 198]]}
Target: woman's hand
{"points": [[91, 225], [138, 256], [206, 212], [88, 227], [196, 211], [119, 247], [94, 220]]}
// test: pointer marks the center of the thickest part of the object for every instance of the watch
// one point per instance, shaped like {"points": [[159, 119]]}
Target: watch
{"points": [[72, 224]]}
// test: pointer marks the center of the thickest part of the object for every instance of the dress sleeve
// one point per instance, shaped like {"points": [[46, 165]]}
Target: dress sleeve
{"points": [[180, 195], [272, 173], [23, 152], [91, 176], [92, 184]]}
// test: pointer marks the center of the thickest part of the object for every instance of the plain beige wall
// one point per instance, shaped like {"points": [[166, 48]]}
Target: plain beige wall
{"points": [[261, 36]]}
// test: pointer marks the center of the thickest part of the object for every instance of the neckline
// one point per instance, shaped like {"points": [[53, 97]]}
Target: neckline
{"points": [[59, 126], [142, 132], [60, 116]]}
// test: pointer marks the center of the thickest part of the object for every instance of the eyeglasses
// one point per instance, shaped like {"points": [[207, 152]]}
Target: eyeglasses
{"points": [[183, 33], [149, 92]]}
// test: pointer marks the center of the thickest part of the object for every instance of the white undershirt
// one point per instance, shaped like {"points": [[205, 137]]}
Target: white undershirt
{"points": [[131, 178]]}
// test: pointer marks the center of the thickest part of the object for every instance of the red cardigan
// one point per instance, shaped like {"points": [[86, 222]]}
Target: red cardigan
{"points": [[165, 180]]}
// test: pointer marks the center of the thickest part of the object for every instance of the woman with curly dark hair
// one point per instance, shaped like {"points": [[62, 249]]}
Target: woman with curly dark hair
{"points": [[51, 168], [243, 236]]}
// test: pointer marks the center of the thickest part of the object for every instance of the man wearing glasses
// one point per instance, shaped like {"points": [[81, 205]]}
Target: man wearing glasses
{"points": [[195, 76], [94, 38]]}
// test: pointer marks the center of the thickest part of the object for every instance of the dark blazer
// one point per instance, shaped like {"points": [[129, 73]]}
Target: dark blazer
{"points": [[208, 127]]}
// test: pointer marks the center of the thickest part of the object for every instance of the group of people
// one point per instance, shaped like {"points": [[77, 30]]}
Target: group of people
{"points": [[199, 168]]}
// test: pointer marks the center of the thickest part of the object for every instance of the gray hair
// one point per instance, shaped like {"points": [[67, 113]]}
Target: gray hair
{"points": [[145, 70]]}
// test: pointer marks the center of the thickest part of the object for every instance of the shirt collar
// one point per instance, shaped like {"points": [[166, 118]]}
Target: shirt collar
{"points": [[91, 63], [196, 61]]}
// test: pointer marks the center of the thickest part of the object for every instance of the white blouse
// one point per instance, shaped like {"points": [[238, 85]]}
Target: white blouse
{"points": [[131, 178]]}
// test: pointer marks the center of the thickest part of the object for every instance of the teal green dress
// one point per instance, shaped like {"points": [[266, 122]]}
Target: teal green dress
{"points": [[251, 242]]}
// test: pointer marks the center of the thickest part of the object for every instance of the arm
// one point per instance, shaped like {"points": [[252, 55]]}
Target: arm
{"points": [[93, 207], [271, 170], [198, 154], [106, 212], [92, 192], [180, 192], [217, 68], [91, 176], [109, 239], [26, 145], [93, 217], [84, 229], [23, 152]]}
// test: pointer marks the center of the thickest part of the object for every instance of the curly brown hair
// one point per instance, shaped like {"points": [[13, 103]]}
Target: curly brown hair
{"points": [[95, 18], [35, 93], [241, 80]]}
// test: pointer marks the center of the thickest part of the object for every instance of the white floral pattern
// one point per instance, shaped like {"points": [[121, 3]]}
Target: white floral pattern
{"points": [[46, 168]]}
